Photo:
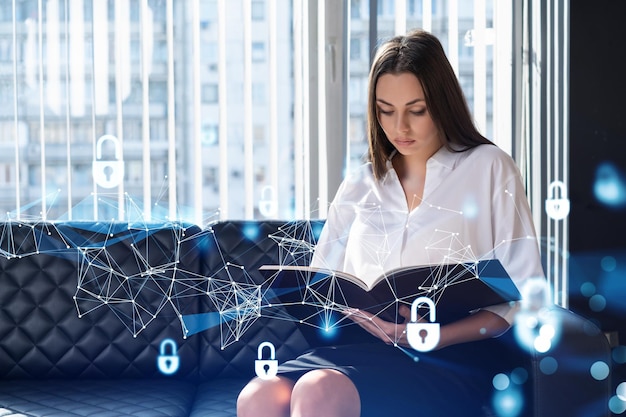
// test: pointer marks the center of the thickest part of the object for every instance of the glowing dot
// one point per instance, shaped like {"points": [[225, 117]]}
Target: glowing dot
{"points": [[621, 391], [519, 376], [548, 365], [616, 405], [587, 289], [547, 331], [251, 231], [500, 382], [597, 302], [599, 370], [483, 330], [608, 264], [619, 354], [507, 403], [542, 344]]}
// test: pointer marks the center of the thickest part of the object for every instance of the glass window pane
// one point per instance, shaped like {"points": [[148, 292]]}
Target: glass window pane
{"points": [[191, 106]]}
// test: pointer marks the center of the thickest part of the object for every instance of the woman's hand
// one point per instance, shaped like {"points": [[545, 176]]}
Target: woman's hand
{"points": [[480, 325], [389, 332]]}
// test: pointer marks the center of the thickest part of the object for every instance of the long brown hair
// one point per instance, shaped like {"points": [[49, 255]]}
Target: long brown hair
{"points": [[421, 54]]}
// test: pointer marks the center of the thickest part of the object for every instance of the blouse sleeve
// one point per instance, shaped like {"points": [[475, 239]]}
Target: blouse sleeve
{"points": [[514, 236], [331, 245]]}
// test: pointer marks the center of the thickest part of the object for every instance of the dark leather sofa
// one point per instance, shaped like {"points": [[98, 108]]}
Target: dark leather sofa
{"points": [[85, 307]]}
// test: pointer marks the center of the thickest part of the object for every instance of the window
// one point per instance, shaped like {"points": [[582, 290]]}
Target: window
{"points": [[386, 8], [199, 111], [209, 52], [258, 93], [259, 134], [355, 49], [6, 50], [355, 9], [158, 92], [158, 130], [209, 93], [414, 7], [258, 51], [258, 10], [6, 174], [6, 11]]}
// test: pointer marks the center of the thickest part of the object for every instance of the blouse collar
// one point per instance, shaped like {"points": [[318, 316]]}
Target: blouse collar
{"points": [[443, 156]]}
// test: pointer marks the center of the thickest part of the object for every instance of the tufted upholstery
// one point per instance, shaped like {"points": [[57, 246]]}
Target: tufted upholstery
{"points": [[42, 335], [64, 351]]}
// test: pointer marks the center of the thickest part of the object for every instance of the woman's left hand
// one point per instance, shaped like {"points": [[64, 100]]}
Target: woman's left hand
{"points": [[389, 332]]}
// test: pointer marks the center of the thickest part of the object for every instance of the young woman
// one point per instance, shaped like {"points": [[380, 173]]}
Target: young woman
{"points": [[434, 191]]}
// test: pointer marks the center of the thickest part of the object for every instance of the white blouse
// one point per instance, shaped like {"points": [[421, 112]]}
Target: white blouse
{"points": [[474, 207]]}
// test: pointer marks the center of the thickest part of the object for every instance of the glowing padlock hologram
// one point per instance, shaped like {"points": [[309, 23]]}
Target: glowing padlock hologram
{"points": [[108, 173], [267, 203], [266, 368], [557, 204], [423, 337], [168, 364]]}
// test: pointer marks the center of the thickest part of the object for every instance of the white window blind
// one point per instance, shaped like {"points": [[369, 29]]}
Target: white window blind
{"points": [[209, 122]]}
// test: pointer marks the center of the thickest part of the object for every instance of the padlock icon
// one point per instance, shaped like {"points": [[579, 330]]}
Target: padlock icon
{"points": [[266, 368], [423, 336], [108, 173], [267, 203], [168, 363], [557, 203]]}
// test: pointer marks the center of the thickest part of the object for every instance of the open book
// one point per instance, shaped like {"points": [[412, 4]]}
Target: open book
{"points": [[456, 289]]}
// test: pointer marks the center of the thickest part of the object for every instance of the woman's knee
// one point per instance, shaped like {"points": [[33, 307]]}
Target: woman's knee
{"points": [[265, 398], [325, 392]]}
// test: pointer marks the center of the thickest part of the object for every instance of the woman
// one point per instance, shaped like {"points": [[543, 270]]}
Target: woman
{"points": [[434, 191]]}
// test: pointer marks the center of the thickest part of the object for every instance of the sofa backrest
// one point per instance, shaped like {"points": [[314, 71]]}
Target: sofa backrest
{"points": [[236, 250], [89, 300], [97, 300]]}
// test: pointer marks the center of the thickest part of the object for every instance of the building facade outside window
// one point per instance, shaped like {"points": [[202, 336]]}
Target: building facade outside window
{"points": [[228, 118]]}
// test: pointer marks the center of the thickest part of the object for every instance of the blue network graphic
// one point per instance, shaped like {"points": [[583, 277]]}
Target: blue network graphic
{"points": [[150, 277]]}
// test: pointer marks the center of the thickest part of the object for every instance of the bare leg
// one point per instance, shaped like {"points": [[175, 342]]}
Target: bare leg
{"points": [[265, 398], [325, 392]]}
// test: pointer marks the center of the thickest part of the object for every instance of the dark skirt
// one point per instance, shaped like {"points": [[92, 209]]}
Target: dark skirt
{"points": [[454, 381]]}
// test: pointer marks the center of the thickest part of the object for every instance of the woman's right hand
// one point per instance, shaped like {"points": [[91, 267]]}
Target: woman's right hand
{"points": [[389, 332]]}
